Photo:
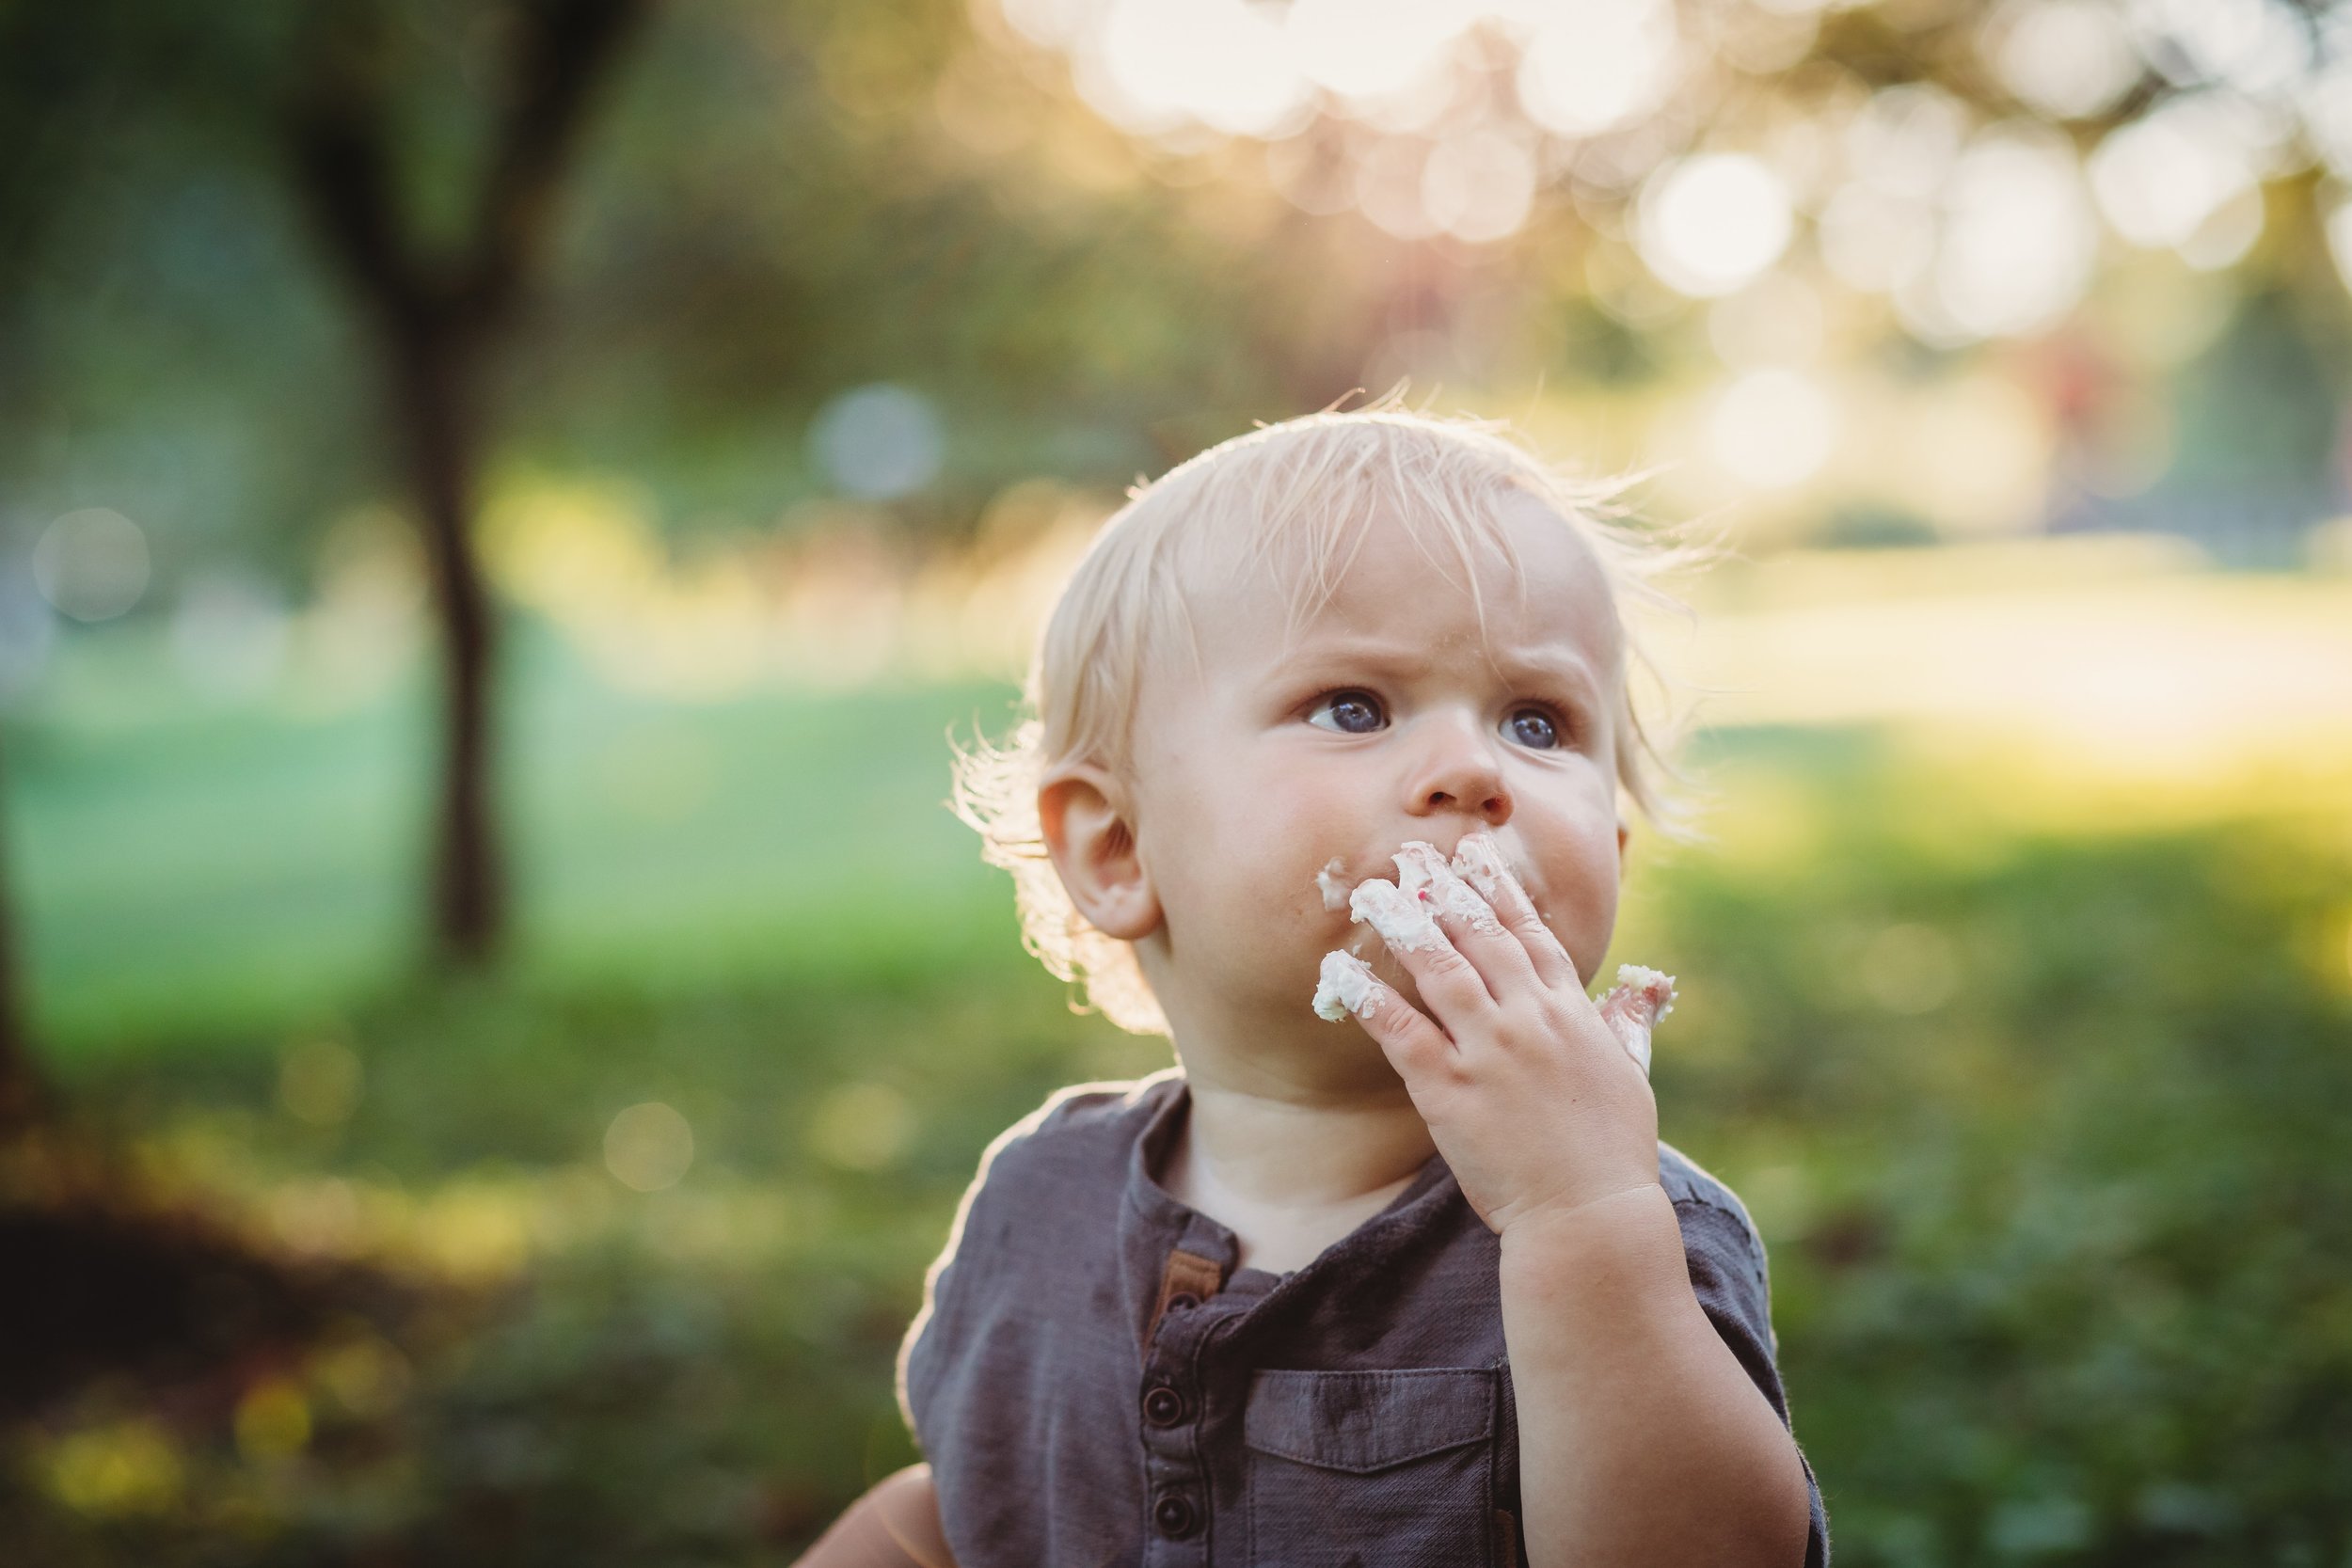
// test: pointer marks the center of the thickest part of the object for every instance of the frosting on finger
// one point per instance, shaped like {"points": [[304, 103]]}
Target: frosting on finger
{"points": [[1634, 1005], [1401, 918], [1449, 894], [1479, 862], [1417, 864], [1345, 987]]}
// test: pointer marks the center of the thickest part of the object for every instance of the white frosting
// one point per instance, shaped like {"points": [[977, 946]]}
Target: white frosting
{"points": [[1345, 987], [1661, 988], [1417, 865], [1479, 862], [1634, 1005], [1457, 898], [1403, 911], [1420, 866], [1401, 918]]}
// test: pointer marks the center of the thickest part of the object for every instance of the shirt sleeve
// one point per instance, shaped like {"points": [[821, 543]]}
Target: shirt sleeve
{"points": [[1728, 1274], [926, 1357]]}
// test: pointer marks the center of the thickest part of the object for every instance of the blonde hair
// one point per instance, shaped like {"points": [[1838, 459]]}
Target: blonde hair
{"points": [[1300, 494]]}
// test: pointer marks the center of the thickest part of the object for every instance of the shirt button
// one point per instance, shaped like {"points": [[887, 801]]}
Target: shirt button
{"points": [[1182, 1301], [1174, 1514], [1163, 1406]]}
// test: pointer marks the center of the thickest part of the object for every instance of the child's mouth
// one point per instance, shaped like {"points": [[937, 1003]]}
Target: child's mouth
{"points": [[1423, 879], [1478, 860]]}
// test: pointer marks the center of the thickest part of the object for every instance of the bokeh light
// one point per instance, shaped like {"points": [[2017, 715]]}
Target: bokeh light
{"points": [[1773, 428], [2326, 101], [2182, 176], [648, 1147], [1219, 62], [1710, 223], [2072, 59], [2018, 241], [91, 563], [2260, 48], [1372, 49], [879, 442], [1593, 65], [1478, 186]]}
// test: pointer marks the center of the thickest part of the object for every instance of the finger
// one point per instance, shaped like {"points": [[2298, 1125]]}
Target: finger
{"points": [[1449, 984], [1416, 1047], [1634, 1005], [1478, 860], [1466, 918]]}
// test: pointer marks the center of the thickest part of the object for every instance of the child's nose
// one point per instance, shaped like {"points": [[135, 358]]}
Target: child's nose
{"points": [[1459, 772]]}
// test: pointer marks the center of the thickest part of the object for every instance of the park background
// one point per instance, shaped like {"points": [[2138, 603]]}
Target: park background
{"points": [[504, 506]]}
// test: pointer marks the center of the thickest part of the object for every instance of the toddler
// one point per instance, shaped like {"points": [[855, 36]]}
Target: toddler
{"points": [[1337, 713]]}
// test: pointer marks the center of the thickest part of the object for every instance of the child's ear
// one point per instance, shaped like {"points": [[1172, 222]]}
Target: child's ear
{"points": [[1624, 834], [1083, 812]]}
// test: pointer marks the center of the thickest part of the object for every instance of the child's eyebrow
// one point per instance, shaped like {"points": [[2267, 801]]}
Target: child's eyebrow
{"points": [[1561, 669], [1377, 655], [1407, 660]]}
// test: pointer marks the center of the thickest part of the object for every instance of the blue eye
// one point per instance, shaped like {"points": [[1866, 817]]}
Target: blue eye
{"points": [[1533, 728], [1349, 712]]}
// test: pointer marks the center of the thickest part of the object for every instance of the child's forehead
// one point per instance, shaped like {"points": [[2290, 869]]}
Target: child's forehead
{"points": [[1523, 573]]}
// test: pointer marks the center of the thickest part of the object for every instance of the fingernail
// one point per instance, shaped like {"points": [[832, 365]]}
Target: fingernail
{"points": [[1399, 918], [1345, 987]]}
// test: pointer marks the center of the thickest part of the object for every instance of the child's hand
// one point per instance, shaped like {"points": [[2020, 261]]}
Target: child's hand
{"points": [[1535, 1100]]}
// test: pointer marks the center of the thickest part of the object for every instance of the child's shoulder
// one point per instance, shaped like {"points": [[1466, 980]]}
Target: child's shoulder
{"points": [[1085, 1127], [1718, 1237], [1687, 1181]]}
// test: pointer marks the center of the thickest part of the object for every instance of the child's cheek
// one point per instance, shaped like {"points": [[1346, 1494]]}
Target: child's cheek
{"points": [[1583, 922]]}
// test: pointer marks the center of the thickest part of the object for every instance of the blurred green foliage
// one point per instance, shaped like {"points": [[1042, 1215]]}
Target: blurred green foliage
{"points": [[766, 213], [2040, 1126], [2042, 1132]]}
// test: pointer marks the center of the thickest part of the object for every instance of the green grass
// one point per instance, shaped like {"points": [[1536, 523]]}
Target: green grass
{"points": [[183, 872], [2042, 1127]]}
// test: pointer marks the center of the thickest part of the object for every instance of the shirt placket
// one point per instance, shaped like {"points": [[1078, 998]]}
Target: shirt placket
{"points": [[1176, 1503]]}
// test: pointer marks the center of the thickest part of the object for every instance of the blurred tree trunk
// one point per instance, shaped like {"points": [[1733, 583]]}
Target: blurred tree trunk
{"points": [[434, 371], [437, 321]]}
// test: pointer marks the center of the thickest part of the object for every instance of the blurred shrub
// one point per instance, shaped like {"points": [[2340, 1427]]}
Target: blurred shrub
{"points": [[2043, 1134], [2041, 1128]]}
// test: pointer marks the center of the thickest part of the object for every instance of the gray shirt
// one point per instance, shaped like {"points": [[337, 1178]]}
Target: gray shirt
{"points": [[1095, 1382]]}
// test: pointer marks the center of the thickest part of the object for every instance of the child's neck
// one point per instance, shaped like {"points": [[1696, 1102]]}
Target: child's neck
{"points": [[1289, 1175]]}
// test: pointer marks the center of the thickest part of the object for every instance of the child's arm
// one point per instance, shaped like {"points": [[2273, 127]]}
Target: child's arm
{"points": [[896, 1525], [1642, 1439]]}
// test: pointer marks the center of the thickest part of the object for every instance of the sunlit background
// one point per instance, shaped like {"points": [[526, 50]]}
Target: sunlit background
{"points": [[771, 363]]}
